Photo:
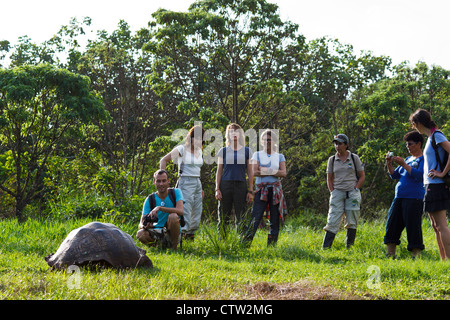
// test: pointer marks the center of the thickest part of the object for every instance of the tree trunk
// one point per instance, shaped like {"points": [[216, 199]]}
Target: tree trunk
{"points": [[235, 93], [20, 206]]}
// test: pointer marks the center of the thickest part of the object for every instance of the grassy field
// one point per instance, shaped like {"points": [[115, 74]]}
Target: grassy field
{"points": [[297, 268]]}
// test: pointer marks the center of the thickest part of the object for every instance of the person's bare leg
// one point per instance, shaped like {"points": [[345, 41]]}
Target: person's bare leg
{"points": [[390, 249], [442, 232], [173, 226], [143, 236], [416, 253]]}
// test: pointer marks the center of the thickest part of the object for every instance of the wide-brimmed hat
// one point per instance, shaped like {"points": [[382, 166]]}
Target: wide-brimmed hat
{"points": [[341, 138]]}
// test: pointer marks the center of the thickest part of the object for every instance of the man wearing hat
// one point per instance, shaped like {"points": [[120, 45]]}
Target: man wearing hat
{"points": [[345, 177]]}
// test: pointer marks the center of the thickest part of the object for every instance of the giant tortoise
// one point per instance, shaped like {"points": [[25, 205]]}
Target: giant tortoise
{"points": [[98, 244]]}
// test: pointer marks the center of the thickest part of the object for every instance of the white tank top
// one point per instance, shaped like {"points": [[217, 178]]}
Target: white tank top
{"points": [[188, 164]]}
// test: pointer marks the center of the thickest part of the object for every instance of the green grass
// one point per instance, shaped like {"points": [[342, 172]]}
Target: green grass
{"points": [[211, 269]]}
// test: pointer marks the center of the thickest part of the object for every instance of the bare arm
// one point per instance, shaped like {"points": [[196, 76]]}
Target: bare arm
{"points": [[330, 181], [255, 168], [265, 171], [281, 172], [219, 172], [171, 156], [178, 210], [443, 173], [249, 196], [250, 176], [362, 177]]}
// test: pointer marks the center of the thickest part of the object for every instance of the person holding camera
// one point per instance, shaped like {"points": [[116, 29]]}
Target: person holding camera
{"points": [[345, 177], [161, 213], [407, 207]]}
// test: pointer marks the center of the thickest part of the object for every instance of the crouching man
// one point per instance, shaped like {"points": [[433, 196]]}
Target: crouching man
{"points": [[161, 213]]}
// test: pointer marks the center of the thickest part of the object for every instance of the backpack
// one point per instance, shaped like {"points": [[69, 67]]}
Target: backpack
{"points": [[172, 197], [443, 163]]}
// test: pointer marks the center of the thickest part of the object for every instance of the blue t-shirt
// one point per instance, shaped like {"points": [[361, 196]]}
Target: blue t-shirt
{"points": [[410, 186], [271, 161], [430, 158], [234, 163], [162, 216]]}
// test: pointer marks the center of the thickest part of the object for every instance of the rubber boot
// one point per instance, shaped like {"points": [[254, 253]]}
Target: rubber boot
{"points": [[328, 240], [351, 234], [272, 240]]}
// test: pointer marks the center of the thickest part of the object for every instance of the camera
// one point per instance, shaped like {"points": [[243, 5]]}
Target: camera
{"points": [[390, 154], [149, 219]]}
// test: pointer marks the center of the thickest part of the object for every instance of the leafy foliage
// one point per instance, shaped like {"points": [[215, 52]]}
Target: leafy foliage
{"points": [[41, 105], [92, 123]]}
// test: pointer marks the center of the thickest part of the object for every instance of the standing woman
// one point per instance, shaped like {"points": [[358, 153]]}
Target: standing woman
{"points": [[437, 195], [345, 177], [407, 207], [268, 167], [190, 160], [231, 185]]}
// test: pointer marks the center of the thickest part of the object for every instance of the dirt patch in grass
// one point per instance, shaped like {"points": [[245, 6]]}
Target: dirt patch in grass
{"points": [[301, 290]]}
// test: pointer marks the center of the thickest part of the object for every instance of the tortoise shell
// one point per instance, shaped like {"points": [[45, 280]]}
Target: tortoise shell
{"points": [[98, 244]]}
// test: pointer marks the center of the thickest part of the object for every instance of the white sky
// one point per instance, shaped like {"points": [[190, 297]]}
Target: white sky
{"points": [[409, 30]]}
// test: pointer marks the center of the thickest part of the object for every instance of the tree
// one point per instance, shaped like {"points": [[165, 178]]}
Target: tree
{"points": [[118, 69], [223, 55], [334, 72], [62, 50], [39, 106], [382, 113]]}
